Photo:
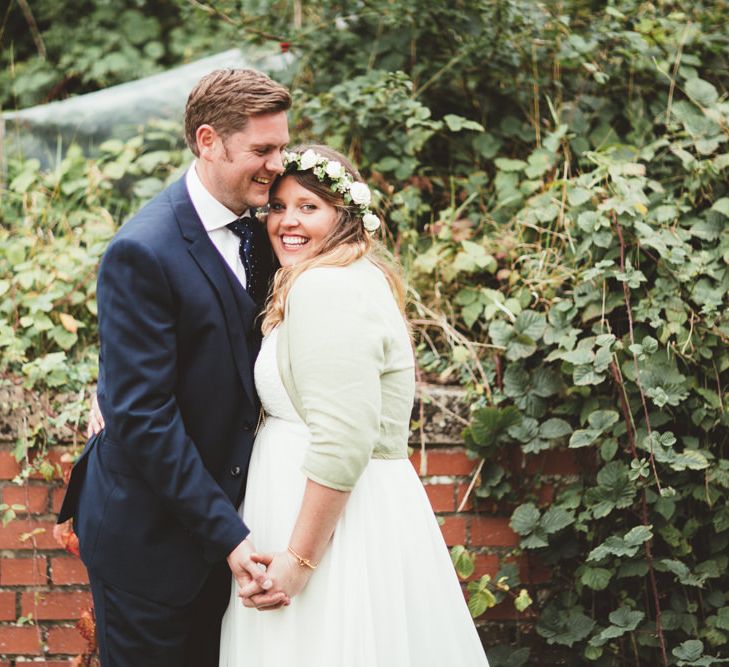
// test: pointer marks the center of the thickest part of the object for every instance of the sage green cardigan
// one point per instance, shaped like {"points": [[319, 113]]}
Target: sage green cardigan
{"points": [[346, 361]]}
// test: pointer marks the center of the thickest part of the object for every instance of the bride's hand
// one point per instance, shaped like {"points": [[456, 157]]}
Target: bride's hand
{"points": [[287, 575]]}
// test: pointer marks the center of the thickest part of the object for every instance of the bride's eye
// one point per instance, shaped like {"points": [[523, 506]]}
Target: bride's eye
{"points": [[275, 206], [308, 207]]}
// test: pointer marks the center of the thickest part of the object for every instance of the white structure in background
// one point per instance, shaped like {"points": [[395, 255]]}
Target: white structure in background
{"points": [[44, 132]]}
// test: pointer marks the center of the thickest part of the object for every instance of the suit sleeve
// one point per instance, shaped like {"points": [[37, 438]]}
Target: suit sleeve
{"points": [[137, 329], [336, 355]]}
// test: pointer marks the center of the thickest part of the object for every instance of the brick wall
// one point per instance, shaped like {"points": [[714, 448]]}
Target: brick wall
{"points": [[39, 578]]}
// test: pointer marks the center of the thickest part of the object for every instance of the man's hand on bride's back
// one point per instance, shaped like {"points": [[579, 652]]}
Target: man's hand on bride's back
{"points": [[254, 583]]}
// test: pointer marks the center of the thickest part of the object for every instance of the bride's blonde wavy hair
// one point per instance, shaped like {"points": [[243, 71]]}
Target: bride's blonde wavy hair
{"points": [[346, 243]]}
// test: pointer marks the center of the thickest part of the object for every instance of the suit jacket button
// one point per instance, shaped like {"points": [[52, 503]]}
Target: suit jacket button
{"points": [[247, 426], [235, 472]]}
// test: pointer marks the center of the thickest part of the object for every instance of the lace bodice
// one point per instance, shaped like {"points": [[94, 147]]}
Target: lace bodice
{"points": [[271, 391]]}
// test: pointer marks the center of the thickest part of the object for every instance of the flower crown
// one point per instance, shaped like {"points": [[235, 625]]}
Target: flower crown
{"points": [[354, 192]]}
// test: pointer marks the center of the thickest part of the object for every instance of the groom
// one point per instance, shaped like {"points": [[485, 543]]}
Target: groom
{"points": [[154, 495]]}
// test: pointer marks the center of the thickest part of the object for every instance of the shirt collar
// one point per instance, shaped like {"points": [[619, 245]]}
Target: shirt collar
{"points": [[212, 213]]}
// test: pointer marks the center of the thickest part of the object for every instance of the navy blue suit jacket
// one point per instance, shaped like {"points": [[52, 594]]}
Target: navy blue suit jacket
{"points": [[154, 494]]}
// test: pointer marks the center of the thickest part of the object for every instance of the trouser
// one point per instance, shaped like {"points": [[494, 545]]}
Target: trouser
{"points": [[132, 631]]}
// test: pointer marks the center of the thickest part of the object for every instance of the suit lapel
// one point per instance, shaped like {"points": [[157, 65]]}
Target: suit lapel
{"points": [[239, 310]]}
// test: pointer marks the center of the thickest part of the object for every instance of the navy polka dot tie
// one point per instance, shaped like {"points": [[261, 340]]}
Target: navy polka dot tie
{"points": [[243, 229]]}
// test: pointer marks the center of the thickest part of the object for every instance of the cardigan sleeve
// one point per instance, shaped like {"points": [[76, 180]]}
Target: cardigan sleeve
{"points": [[336, 354]]}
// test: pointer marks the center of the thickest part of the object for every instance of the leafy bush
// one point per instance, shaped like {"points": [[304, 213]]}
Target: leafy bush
{"points": [[555, 179]]}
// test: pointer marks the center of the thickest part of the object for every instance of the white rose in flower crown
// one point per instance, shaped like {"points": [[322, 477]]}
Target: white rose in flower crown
{"points": [[334, 169], [360, 194], [308, 160], [370, 221]]}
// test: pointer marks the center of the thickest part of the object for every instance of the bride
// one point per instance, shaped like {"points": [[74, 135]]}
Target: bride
{"points": [[331, 496]]}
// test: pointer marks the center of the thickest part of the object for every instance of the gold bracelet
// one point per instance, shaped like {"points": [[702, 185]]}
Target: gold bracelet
{"points": [[304, 562]]}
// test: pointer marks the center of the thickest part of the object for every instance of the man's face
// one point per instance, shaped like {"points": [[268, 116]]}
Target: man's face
{"points": [[238, 171]]}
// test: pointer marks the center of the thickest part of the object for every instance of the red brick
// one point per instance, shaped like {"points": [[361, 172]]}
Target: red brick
{"points": [[20, 640], [454, 530], [66, 640], [46, 663], [7, 606], [57, 496], [441, 497], [55, 605], [34, 498], [68, 570], [492, 532], [444, 462], [10, 535], [23, 572], [485, 564], [9, 467], [545, 494]]}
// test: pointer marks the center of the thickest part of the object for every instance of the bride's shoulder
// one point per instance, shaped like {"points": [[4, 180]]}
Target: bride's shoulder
{"points": [[331, 281]]}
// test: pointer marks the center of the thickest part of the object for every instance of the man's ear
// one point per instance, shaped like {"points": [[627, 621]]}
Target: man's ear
{"points": [[207, 140]]}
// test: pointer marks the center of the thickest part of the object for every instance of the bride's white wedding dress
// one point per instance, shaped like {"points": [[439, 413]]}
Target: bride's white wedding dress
{"points": [[384, 595]]}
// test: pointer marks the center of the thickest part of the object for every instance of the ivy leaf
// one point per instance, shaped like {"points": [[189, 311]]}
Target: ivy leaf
{"points": [[524, 519], [554, 428], [596, 578], [463, 562], [721, 206], [490, 423], [531, 324], [564, 627], [555, 519], [601, 420], [583, 437], [702, 92]]}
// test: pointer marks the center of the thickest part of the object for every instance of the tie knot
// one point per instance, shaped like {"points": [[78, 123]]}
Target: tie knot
{"points": [[242, 226]]}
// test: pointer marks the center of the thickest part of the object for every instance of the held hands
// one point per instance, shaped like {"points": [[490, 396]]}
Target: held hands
{"points": [[287, 575], [254, 582]]}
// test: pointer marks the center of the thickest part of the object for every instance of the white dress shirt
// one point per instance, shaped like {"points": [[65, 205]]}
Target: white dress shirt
{"points": [[215, 216]]}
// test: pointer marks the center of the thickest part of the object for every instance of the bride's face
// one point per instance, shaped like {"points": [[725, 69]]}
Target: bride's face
{"points": [[298, 222]]}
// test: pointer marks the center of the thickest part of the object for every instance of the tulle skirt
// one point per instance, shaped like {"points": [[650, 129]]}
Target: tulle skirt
{"points": [[384, 595]]}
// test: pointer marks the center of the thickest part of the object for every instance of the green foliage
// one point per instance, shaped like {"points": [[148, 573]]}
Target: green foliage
{"points": [[555, 178], [57, 225]]}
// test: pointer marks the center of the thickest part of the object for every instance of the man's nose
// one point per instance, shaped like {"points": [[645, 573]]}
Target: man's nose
{"points": [[275, 163]]}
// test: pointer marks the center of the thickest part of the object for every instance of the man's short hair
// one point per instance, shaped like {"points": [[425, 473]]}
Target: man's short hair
{"points": [[227, 98]]}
